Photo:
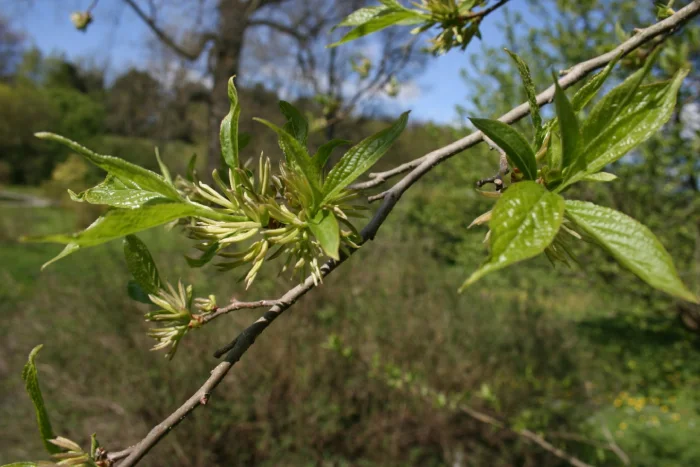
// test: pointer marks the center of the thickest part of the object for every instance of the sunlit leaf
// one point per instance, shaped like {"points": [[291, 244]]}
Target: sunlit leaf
{"points": [[531, 93], [600, 177], [325, 150], [632, 244], [637, 118], [125, 171], [382, 19], [31, 383], [513, 143], [605, 111], [141, 265], [361, 157], [116, 193], [573, 160], [228, 134], [117, 223], [361, 16], [325, 228], [524, 222], [163, 168], [589, 90]]}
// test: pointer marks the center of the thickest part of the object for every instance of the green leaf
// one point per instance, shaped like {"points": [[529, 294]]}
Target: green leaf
{"points": [[524, 222], [297, 157], [163, 168], [383, 19], [114, 192], [22, 464], [524, 71], [512, 142], [243, 140], [361, 16], [589, 90], [325, 228], [117, 223], [325, 150], [637, 118], [605, 111], [141, 265], [136, 292], [572, 157], [125, 171], [94, 445], [296, 125], [361, 157], [192, 168], [207, 256], [632, 244], [31, 383], [600, 177], [228, 134]]}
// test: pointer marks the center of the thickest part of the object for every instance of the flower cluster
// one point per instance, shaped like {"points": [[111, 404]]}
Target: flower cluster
{"points": [[266, 215]]}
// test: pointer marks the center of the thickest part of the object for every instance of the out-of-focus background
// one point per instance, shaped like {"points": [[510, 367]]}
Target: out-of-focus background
{"points": [[589, 357]]}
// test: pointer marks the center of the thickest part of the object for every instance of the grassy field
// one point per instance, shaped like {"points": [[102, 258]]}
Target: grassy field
{"points": [[317, 388]]}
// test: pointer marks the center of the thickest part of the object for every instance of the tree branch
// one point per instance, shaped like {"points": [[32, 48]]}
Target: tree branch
{"points": [[485, 12], [236, 349], [169, 41], [279, 27], [573, 75]]}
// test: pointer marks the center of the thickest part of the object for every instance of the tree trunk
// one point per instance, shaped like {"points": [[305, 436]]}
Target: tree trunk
{"points": [[225, 58]]}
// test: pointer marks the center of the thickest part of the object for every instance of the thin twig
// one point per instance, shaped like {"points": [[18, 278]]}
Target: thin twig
{"points": [[193, 54], [480, 14], [574, 75], [544, 444], [236, 305], [421, 166]]}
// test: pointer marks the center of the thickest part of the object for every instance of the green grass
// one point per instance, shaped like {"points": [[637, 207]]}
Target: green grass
{"points": [[554, 355]]}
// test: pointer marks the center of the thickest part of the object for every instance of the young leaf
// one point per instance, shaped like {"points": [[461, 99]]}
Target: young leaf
{"points": [[514, 144], [325, 228], [117, 223], [632, 244], [361, 157], [228, 134], [243, 140], [524, 71], [524, 222], [600, 177], [116, 193], [572, 157], [136, 292], [191, 168], [296, 125], [297, 157], [31, 383], [588, 91], [605, 111], [361, 16], [207, 256], [325, 150], [383, 19], [638, 117], [141, 265], [163, 168], [125, 171]]}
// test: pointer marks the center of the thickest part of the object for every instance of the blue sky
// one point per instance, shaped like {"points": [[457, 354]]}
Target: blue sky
{"points": [[117, 36]]}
